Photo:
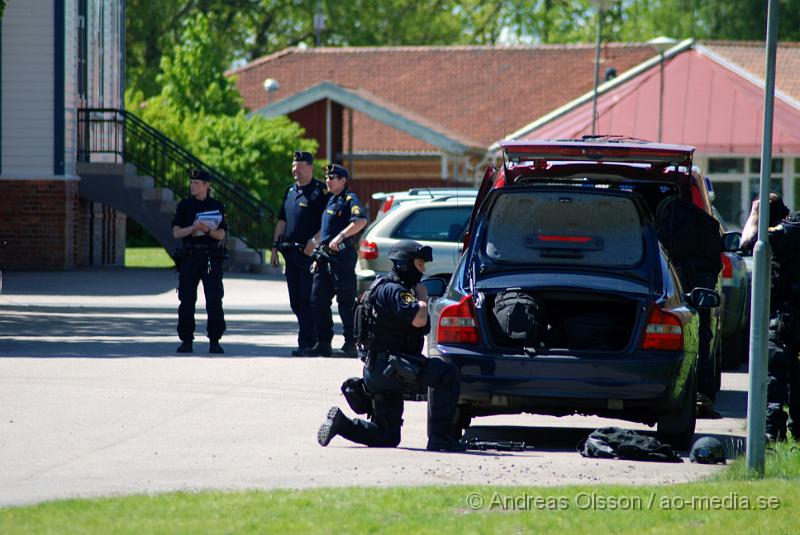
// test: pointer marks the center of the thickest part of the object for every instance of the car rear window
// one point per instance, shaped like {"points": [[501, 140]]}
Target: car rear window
{"points": [[564, 228], [434, 224]]}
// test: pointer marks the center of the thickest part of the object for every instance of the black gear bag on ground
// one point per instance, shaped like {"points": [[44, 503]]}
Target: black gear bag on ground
{"points": [[616, 443]]}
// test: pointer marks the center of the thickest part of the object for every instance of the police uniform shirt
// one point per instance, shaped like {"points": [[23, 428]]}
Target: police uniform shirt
{"points": [[397, 304], [186, 214], [341, 210], [302, 210]]}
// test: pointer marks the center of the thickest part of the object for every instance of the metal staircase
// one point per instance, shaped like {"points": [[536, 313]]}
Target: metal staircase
{"points": [[129, 165]]}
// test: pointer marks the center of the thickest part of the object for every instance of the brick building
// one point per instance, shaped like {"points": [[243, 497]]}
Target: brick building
{"points": [[56, 56]]}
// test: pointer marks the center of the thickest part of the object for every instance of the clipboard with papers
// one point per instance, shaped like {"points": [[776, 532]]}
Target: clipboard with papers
{"points": [[212, 218]]}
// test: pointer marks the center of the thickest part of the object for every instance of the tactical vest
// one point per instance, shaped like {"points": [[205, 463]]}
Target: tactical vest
{"points": [[785, 273], [391, 335]]}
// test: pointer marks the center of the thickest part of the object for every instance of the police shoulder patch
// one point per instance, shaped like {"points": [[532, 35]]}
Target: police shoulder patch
{"points": [[355, 210], [406, 298]]}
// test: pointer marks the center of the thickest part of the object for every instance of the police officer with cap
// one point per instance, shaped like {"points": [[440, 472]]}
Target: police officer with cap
{"points": [[200, 259], [296, 234], [342, 220], [783, 369], [394, 363]]}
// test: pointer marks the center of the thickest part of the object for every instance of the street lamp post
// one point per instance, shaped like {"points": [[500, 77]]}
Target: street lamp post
{"points": [[602, 6], [662, 44]]}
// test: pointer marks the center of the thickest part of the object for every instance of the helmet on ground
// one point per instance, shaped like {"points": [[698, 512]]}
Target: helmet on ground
{"points": [[707, 450]]}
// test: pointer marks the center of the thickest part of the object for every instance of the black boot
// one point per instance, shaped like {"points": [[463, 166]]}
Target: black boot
{"points": [[348, 351], [185, 347], [302, 352], [445, 443], [320, 350], [332, 426], [214, 347]]}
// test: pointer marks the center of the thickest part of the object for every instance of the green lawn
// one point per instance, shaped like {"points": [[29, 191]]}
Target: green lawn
{"points": [[147, 257], [729, 503]]}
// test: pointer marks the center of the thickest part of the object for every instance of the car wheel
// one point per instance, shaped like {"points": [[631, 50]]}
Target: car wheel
{"points": [[732, 350], [677, 428]]}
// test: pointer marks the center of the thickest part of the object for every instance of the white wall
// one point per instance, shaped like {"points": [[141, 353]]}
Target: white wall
{"points": [[27, 89]]}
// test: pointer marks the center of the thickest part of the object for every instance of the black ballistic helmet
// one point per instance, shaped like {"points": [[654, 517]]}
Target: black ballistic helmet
{"points": [[336, 171], [199, 174], [777, 210], [405, 251], [301, 156], [707, 450]]}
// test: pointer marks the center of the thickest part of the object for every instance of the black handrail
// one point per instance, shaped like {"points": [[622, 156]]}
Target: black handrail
{"points": [[122, 136]]}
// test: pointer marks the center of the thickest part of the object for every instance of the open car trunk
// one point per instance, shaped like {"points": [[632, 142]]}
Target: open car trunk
{"points": [[541, 320]]}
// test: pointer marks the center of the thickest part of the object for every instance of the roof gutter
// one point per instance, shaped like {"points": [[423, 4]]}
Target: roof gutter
{"points": [[601, 89]]}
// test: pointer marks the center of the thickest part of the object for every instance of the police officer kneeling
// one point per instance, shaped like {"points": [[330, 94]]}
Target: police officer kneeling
{"points": [[200, 259], [394, 363]]}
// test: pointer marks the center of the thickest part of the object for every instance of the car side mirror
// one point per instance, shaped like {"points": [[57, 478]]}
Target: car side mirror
{"points": [[435, 286], [703, 298], [731, 241]]}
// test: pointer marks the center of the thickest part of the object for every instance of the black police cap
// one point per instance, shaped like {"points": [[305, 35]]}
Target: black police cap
{"points": [[302, 156], [407, 250], [199, 174], [335, 170]]}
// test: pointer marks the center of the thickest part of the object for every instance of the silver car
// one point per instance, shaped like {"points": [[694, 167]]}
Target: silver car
{"points": [[439, 223]]}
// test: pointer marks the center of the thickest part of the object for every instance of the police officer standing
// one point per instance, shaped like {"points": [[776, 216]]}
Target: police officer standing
{"points": [[296, 234], [201, 259], [394, 363], [342, 220], [783, 371], [694, 242]]}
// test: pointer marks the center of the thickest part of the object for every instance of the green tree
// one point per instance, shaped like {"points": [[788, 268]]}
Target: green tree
{"points": [[200, 109], [193, 77]]}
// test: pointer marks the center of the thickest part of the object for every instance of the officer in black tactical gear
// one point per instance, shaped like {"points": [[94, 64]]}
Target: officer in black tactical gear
{"points": [[200, 223], [335, 270], [783, 372], [693, 240], [296, 234], [398, 304]]}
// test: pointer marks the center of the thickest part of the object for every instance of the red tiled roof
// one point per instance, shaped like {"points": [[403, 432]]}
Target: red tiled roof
{"points": [[750, 56], [479, 93]]}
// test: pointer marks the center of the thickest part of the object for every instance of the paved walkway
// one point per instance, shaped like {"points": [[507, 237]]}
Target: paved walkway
{"points": [[93, 401], [116, 312]]}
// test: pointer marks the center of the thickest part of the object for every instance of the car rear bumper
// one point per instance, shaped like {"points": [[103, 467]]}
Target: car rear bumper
{"points": [[638, 387]]}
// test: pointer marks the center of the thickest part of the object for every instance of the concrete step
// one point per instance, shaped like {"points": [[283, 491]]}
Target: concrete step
{"points": [[244, 257], [168, 207], [236, 244], [106, 168], [158, 194], [138, 181]]}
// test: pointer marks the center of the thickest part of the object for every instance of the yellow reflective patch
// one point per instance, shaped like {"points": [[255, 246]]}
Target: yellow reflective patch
{"points": [[355, 210], [407, 298], [304, 205], [330, 211]]}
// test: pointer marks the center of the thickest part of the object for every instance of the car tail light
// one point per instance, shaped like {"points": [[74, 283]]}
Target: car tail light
{"points": [[664, 331], [367, 250], [458, 324], [727, 270], [387, 204]]}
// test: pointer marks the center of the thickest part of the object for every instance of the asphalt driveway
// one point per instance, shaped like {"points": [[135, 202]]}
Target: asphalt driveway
{"points": [[94, 401]]}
